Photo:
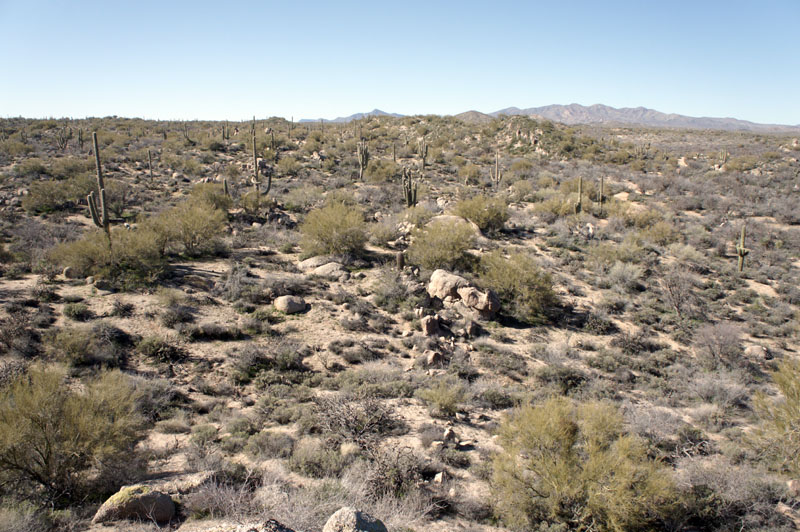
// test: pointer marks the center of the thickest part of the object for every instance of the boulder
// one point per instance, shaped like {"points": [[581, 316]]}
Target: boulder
{"points": [[432, 358], [486, 303], [757, 351], [136, 503], [452, 288], [444, 284], [332, 271], [430, 325], [351, 520], [290, 304], [313, 263]]}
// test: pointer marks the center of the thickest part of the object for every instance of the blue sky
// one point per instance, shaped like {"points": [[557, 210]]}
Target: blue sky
{"points": [[231, 60]]}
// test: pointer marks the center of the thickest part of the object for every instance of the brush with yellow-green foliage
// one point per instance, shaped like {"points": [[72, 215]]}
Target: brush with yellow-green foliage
{"points": [[524, 289], [55, 442], [489, 214], [336, 228], [442, 244], [571, 464], [778, 434]]}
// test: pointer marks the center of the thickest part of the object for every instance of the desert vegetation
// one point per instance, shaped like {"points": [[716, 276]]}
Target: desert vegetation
{"points": [[253, 320]]}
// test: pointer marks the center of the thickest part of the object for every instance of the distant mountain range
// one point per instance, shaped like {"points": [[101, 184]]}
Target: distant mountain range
{"points": [[574, 114], [357, 116]]}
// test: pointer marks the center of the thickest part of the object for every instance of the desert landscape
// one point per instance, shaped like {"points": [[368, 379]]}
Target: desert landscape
{"points": [[447, 323]]}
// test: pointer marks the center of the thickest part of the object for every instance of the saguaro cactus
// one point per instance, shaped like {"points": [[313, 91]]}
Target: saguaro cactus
{"points": [[363, 159], [409, 188], [496, 175], [741, 250], [601, 197], [150, 164], [579, 204], [99, 214], [423, 151]]}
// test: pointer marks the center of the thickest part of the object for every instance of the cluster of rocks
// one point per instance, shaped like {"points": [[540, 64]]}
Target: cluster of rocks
{"points": [[142, 503]]}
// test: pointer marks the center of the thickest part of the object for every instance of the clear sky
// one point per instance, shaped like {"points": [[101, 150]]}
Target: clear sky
{"points": [[235, 59]]}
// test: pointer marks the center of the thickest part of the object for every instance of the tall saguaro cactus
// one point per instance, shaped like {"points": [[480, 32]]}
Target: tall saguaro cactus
{"points": [[579, 204], [409, 188], [363, 159], [601, 198], [423, 151], [496, 175], [741, 250], [99, 213]]}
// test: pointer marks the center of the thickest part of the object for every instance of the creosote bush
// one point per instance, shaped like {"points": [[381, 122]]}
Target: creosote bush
{"points": [[335, 228], [571, 464]]}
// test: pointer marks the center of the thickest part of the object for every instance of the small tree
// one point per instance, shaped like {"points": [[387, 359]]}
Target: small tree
{"points": [[335, 228]]}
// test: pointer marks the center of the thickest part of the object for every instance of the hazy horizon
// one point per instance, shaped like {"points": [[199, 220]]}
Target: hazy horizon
{"points": [[194, 60]]}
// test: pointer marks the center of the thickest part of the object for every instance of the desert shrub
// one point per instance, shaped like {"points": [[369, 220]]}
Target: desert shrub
{"points": [[302, 198], [488, 213], [314, 459], [442, 244], [212, 194], [268, 444], [393, 472], [99, 345], [381, 171], [160, 350], [134, 256], [470, 173], [567, 463], [444, 397], [780, 416], [196, 225], [335, 228], [77, 312], [524, 289], [565, 379], [718, 495], [361, 421], [17, 335], [719, 344], [51, 435], [626, 277], [288, 166]]}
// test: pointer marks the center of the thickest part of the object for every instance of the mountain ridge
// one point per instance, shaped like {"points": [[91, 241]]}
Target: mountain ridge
{"points": [[600, 114]]}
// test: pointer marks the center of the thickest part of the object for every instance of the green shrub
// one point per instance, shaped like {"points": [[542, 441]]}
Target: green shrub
{"points": [[525, 291], [78, 311], [489, 214], [195, 225], [313, 459], [100, 345], [212, 194], [444, 397], [442, 244], [335, 228], [571, 464], [51, 434], [134, 255], [159, 349], [780, 417]]}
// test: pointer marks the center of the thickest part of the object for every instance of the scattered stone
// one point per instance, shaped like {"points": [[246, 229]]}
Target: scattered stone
{"points": [[349, 519], [440, 477], [290, 304], [90, 280], [255, 225], [437, 446], [69, 273], [269, 526], [136, 503], [444, 284], [449, 434]]}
